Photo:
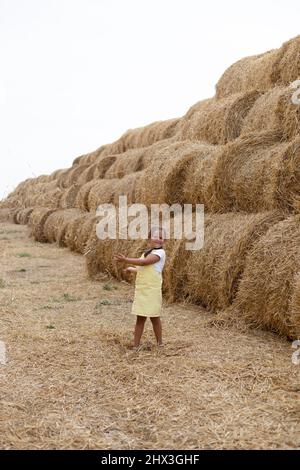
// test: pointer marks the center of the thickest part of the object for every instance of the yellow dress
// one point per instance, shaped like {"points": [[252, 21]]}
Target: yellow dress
{"points": [[147, 300]]}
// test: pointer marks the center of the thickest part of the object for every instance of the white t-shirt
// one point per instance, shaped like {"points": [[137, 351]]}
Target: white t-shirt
{"points": [[159, 265]]}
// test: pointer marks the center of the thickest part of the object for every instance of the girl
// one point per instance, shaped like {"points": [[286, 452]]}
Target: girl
{"points": [[148, 296]]}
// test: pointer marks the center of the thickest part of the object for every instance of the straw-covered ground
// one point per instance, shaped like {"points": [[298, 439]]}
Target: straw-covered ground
{"points": [[71, 380]]}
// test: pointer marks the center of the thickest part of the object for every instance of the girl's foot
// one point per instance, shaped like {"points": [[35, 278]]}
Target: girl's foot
{"points": [[160, 345], [136, 348]]}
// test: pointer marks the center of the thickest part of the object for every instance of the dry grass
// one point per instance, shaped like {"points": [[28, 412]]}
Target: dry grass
{"points": [[71, 381]]}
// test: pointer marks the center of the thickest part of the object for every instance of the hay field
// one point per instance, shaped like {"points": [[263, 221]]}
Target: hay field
{"points": [[71, 381]]}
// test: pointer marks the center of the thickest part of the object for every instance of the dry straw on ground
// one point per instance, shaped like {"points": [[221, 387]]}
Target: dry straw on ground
{"points": [[268, 295], [256, 173], [219, 121]]}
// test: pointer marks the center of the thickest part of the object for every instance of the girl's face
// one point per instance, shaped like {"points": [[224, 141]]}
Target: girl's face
{"points": [[156, 239]]}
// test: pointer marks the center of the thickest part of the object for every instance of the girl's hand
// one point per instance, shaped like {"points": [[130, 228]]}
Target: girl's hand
{"points": [[130, 269], [120, 257]]}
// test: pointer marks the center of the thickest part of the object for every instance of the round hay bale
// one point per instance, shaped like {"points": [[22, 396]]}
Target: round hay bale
{"points": [[126, 163], [23, 215], [101, 192], [88, 174], [127, 186], [211, 276], [56, 225], [78, 232], [172, 164], [37, 221], [275, 112], [219, 122], [99, 255], [289, 64], [74, 174], [258, 72], [268, 294], [69, 197], [81, 201], [256, 173]]}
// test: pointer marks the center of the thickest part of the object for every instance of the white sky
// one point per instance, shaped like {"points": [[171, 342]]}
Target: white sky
{"points": [[76, 74]]}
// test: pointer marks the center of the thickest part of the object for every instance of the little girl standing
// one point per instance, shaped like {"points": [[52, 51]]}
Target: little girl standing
{"points": [[148, 294]]}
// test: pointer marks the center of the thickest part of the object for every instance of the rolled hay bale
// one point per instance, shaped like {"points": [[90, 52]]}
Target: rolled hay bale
{"points": [[143, 136], [259, 72], [289, 64], [172, 164], [126, 163], [127, 186], [44, 195], [99, 256], [268, 294], [81, 201], [274, 111], [57, 174], [78, 232], [211, 275], [71, 177], [101, 192], [36, 222], [23, 215], [88, 174], [219, 121], [56, 225], [256, 173], [69, 197]]}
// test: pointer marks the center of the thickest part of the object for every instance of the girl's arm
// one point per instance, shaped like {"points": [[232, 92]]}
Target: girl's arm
{"points": [[150, 259]]}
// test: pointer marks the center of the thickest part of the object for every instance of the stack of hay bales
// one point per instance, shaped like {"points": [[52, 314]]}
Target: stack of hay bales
{"points": [[238, 153]]}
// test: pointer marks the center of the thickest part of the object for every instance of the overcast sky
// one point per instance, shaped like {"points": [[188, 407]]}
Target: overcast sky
{"points": [[76, 74]]}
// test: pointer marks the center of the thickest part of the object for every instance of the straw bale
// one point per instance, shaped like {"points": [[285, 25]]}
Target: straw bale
{"points": [[219, 121], [258, 72], [82, 197], [56, 224], [6, 214], [79, 230], [289, 65], [69, 196], [127, 186], [101, 192], [268, 294], [274, 111], [37, 221], [256, 173], [172, 165], [211, 275], [23, 215], [126, 163]]}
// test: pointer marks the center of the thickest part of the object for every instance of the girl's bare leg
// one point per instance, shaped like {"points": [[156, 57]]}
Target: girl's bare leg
{"points": [[157, 328], [139, 328]]}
